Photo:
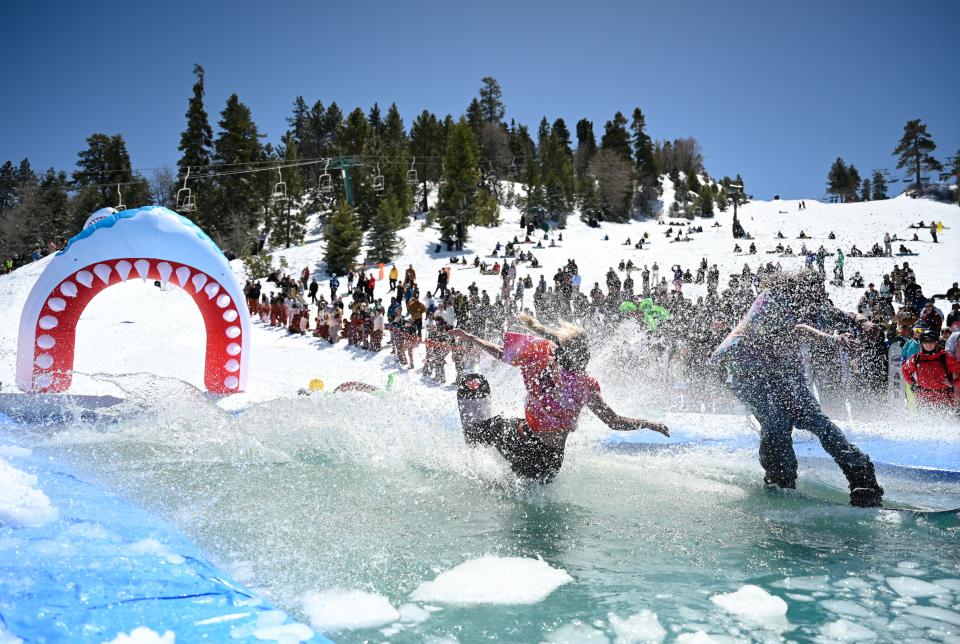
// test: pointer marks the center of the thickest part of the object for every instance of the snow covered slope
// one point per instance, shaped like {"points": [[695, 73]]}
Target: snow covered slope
{"points": [[111, 333]]}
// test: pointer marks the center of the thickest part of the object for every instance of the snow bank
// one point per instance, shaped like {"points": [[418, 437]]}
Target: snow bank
{"points": [[144, 635], [494, 580], [22, 504], [337, 610], [642, 627], [754, 603]]}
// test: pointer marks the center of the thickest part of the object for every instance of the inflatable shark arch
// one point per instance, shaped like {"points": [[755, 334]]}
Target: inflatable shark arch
{"points": [[151, 243]]}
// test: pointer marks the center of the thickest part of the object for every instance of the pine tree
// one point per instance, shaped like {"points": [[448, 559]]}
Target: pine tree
{"points": [[289, 221], [426, 145], [457, 207], [615, 137], [343, 237], [914, 150], [396, 162], [196, 142], [562, 136], [706, 200], [648, 174], [475, 117], [236, 212], [838, 179], [358, 138], [865, 191], [8, 187], [491, 100], [853, 183], [382, 241], [104, 176], [879, 186], [25, 174], [586, 147]]}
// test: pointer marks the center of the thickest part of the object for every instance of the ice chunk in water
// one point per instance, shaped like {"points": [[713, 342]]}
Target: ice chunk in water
{"points": [[804, 583], [642, 627], [337, 610], [577, 632], [753, 603], [844, 607], [144, 635], [910, 587], [939, 614], [494, 580], [846, 631], [22, 504]]}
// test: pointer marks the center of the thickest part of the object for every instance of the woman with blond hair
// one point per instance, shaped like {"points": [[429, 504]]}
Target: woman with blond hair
{"points": [[553, 364]]}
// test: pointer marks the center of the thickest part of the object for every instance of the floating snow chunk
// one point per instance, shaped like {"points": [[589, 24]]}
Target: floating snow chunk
{"points": [[154, 547], [57, 304], [846, 631], [144, 635], [952, 584], [22, 504], [700, 637], [338, 610], [576, 631], [165, 270], [14, 451], [69, 289], [844, 607], [413, 614], [753, 603], [143, 268], [821, 582], [103, 272], [85, 278], [494, 580], [939, 614], [910, 587], [642, 627], [123, 269], [183, 276], [198, 281], [284, 633]]}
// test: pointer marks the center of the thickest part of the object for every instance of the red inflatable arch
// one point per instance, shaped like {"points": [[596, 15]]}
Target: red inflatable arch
{"points": [[187, 258]]}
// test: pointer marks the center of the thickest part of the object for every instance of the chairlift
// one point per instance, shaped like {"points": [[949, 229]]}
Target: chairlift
{"points": [[412, 173], [378, 180], [443, 179], [186, 202], [279, 195], [326, 181], [119, 205]]}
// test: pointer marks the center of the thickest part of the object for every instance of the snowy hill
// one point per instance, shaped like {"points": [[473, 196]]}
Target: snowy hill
{"points": [[136, 327]]}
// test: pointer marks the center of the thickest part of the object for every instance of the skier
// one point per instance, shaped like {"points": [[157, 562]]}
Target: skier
{"points": [[933, 373], [553, 367], [762, 354]]}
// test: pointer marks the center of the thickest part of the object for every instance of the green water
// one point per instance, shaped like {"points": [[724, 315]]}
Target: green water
{"points": [[380, 495]]}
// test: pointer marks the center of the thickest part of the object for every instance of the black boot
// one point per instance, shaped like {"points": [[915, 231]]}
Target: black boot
{"points": [[780, 482], [865, 492], [473, 399]]}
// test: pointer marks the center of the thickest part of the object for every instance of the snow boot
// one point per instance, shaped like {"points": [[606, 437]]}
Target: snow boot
{"points": [[865, 492], [473, 399]]}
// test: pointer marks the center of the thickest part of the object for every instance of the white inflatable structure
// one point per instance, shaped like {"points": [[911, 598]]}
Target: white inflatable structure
{"points": [[151, 243]]}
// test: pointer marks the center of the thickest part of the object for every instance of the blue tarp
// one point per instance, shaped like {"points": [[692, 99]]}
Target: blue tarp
{"points": [[105, 567]]}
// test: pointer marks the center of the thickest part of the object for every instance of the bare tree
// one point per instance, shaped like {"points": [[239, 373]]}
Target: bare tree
{"points": [[163, 187], [614, 176]]}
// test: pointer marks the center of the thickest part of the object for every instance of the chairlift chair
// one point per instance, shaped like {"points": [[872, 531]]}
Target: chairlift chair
{"points": [[326, 181], [279, 195], [119, 205], [412, 173], [378, 180], [186, 202]]}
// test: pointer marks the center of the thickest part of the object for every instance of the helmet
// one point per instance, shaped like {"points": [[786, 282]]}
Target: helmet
{"points": [[929, 335]]}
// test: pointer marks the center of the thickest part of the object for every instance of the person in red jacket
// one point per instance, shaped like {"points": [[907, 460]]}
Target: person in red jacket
{"points": [[933, 373]]}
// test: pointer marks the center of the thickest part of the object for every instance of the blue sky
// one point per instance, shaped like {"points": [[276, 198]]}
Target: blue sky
{"points": [[773, 90]]}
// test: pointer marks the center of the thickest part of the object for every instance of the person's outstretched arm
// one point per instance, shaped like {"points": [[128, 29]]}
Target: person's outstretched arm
{"points": [[493, 349], [619, 423]]}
